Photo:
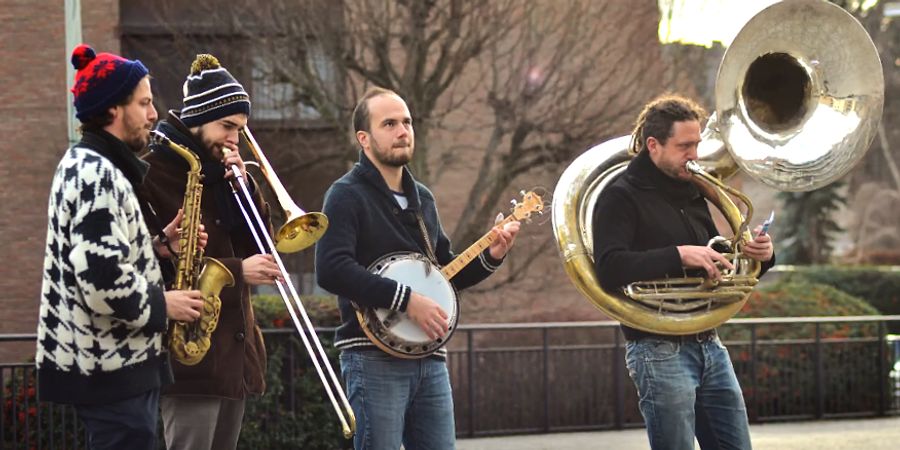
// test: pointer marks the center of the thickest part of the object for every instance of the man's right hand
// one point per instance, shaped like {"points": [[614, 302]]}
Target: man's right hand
{"points": [[184, 306], [428, 315], [700, 257], [261, 269]]}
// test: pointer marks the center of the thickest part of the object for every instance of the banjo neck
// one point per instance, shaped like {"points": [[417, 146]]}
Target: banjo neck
{"points": [[464, 258]]}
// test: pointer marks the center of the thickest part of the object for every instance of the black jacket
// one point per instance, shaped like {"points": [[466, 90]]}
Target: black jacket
{"points": [[640, 219], [365, 224]]}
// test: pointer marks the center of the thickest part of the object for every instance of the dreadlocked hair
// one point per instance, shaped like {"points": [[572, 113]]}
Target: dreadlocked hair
{"points": [[658, 116]]}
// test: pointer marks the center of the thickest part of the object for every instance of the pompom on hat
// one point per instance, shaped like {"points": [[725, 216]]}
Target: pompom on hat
{"points": [[102, 80], [211, 93]]}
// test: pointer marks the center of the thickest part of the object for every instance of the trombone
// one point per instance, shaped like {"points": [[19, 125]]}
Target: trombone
{"points": [[301, 230]]}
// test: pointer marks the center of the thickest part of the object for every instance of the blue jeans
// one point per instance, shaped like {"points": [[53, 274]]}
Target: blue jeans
{"points": [[687, 387], [129, 423], [399, 400]]}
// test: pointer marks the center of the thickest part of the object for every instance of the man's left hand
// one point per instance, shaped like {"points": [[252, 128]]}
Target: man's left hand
{"points": [[173, 233], [503, 239], [760, 248]]}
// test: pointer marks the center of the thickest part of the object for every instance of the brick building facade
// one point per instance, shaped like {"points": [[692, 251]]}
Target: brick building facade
{"points": [[33, 103]]}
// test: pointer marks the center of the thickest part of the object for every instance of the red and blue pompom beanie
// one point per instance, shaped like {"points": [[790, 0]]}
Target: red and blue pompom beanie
{"points": [[102, 80]]}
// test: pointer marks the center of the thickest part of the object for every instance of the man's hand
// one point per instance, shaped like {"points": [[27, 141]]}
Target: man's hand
{"points": [[173, 234], [231, 156], [700, 257], [184, 306], [504, 238], [760, 248], [428, 315], [261, 269]]}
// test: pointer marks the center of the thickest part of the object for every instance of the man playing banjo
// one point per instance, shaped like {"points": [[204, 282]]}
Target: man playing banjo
{"points": [[375, 210]]}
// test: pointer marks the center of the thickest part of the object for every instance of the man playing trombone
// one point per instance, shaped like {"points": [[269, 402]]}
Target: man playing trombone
{"points": [[203, 409]]}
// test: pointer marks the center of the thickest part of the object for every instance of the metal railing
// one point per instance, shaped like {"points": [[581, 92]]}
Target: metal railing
{"points": [[551, 377], [538, 378]]}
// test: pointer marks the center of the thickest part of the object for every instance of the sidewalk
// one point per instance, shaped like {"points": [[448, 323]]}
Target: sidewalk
{"points": [[868, 434]]}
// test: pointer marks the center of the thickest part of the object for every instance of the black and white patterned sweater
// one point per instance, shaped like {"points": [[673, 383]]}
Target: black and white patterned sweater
{"points": [[103, 312]]}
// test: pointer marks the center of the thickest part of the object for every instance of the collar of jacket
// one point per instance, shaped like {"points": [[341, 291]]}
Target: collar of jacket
{"points": [[367, 171], [643, 173], [118, 153]]}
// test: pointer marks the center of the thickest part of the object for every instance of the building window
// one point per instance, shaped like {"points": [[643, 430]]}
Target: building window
{"points": [[278, 83]]}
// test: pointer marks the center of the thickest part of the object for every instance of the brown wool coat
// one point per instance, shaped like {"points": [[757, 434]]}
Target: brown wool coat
{"points": [[235, 365]]}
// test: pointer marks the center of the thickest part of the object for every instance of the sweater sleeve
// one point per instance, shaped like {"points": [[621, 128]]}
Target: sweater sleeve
{"points": [[100, 256], [337, 269], [616, 263]]}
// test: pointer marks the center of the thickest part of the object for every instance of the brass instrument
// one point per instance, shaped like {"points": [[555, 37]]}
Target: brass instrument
{"points": [[190, 341], [301, 230], [791, 110]]}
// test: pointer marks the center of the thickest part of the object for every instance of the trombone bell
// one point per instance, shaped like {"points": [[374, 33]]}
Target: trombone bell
{"points": [[301, 229], [300, 232]]}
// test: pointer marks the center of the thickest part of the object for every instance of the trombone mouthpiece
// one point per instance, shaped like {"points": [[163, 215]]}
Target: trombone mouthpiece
{"points": [[693, 167]]}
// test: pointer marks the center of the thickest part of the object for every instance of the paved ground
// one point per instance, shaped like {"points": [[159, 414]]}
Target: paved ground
{"points": [[867, 434]]}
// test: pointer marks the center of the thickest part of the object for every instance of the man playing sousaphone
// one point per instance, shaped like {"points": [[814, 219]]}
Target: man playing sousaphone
{"points": [[203, 409], [377, 209], [653, 223]]}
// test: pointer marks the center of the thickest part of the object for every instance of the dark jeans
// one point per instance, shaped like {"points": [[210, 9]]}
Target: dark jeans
{"points": [[396, 401], [687, 387], [126, 424]]}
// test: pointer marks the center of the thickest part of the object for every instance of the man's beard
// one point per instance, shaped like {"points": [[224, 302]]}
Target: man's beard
{"points": [[208, 147], [398, 160], [138, 137]]}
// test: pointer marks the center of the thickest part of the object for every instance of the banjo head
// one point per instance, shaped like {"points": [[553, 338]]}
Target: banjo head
{"points": [[394, 332]]}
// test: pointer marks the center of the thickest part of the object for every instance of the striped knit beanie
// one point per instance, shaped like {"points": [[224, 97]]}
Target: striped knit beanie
{"points": [[211, 93], [102, 80]]}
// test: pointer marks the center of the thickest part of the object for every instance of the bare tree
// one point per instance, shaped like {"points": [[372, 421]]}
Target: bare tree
{"points": [[508, 90]]}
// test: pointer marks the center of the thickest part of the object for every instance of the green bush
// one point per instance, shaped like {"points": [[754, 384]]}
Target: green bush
{"points": [[779, 375], [271, 422], [271, 312], [32, 424], [804, 299], [294, 412], [878, 287]]}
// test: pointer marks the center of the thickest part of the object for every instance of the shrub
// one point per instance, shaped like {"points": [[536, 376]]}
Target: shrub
{"points": [[779, 374], [294, 412], [30, 423], [878, 287], [272, 422], [271, 312]]}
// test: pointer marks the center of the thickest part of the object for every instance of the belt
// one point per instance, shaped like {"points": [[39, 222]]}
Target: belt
{"points": [[702, 336]]}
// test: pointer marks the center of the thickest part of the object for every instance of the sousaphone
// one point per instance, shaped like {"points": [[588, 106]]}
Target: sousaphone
{"points": [[799, 97]]}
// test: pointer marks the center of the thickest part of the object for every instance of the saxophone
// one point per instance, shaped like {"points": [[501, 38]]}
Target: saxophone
{"points": [[189, 341]]}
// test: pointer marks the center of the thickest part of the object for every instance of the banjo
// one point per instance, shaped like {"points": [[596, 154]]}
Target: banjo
{"points": [[397, 334]]}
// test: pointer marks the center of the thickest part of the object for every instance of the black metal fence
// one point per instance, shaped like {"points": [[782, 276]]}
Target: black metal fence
{"points": [[538, 378], [550, 377]]}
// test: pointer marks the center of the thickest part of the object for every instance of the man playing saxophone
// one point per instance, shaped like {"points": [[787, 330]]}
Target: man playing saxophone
{"points": [[203, 409], [653, 223], [103, 310]]}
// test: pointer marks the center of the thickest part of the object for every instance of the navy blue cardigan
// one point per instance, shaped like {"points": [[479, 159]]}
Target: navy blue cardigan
{"points": [[365, 224]]}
